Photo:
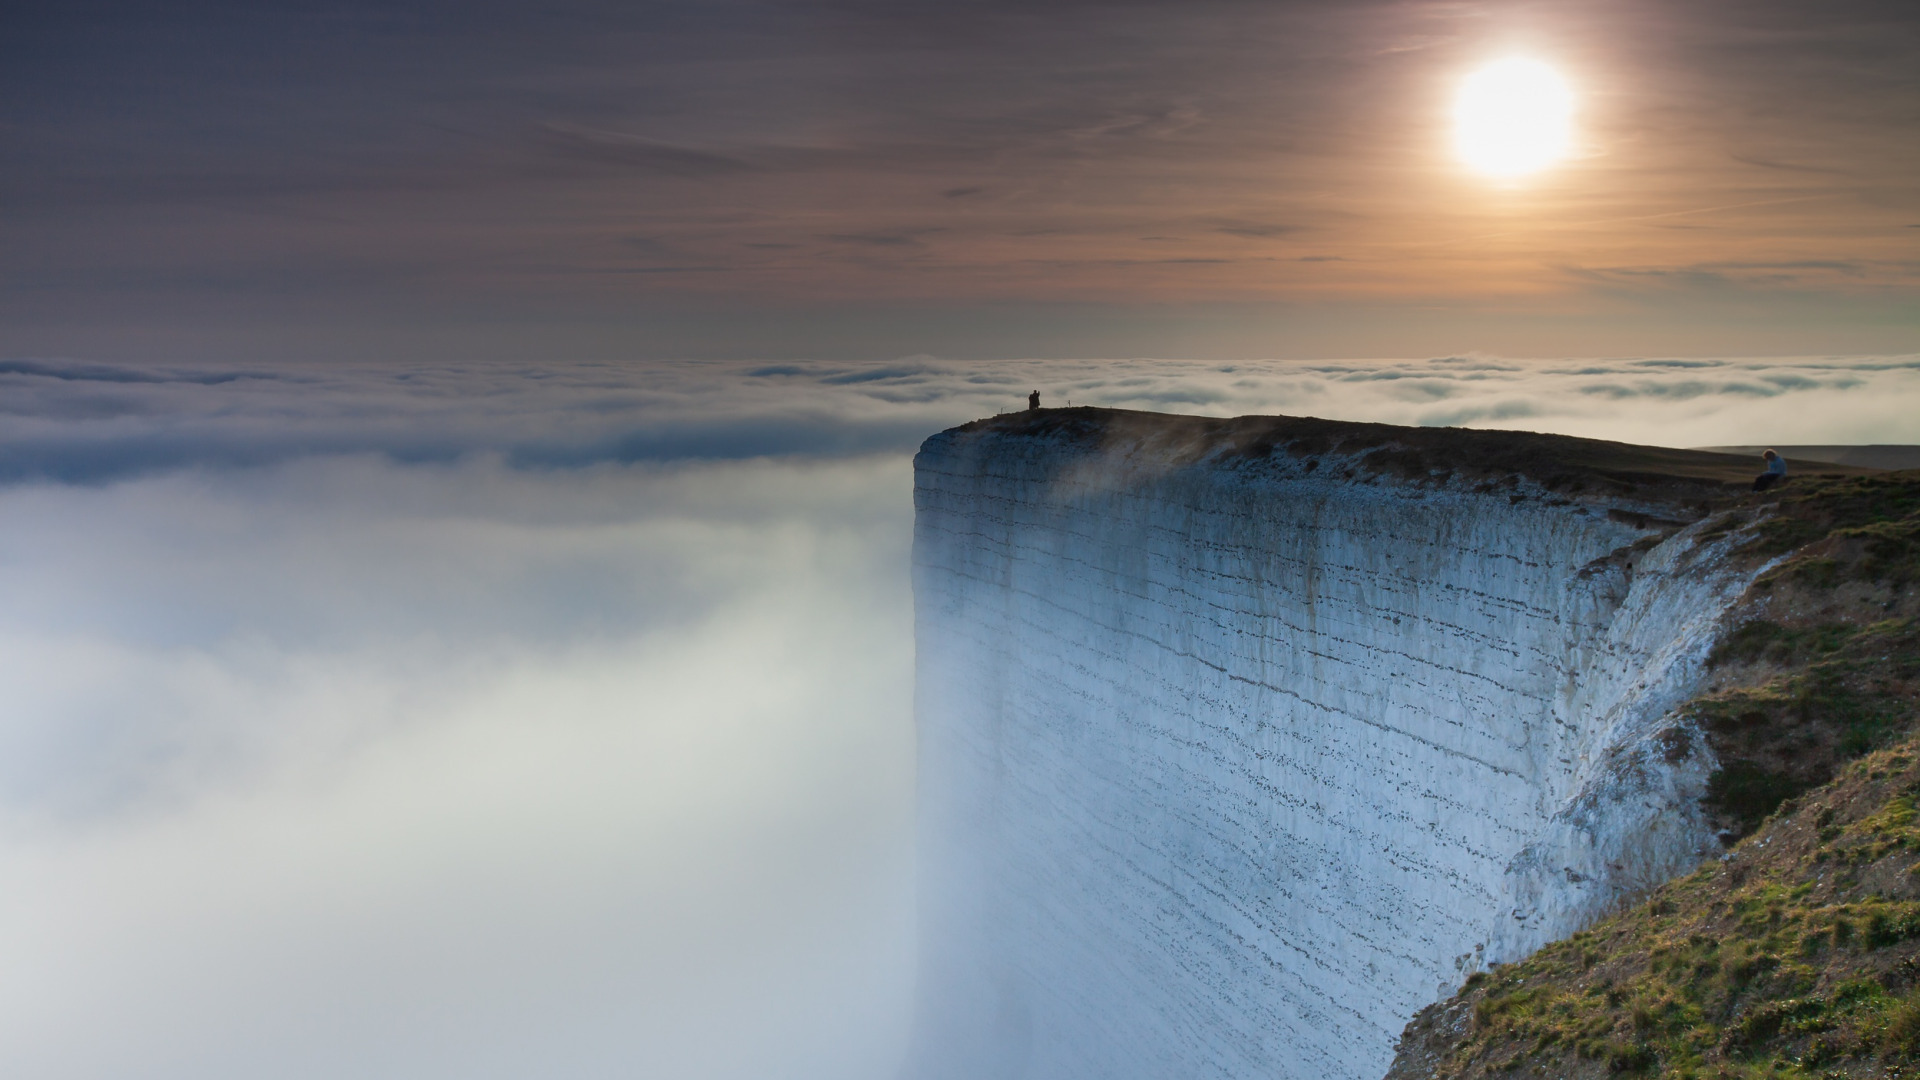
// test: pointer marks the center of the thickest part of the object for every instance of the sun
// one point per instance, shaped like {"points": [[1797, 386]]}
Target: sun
{"points": [[1513, 117]]}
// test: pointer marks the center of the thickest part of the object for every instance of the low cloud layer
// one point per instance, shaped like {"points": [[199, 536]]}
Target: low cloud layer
{"points": [[545, 720], [342, 767], [86, 422]]}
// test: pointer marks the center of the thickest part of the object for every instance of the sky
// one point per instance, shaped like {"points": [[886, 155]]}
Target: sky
{"points": [[823, 180], [455, 483]]}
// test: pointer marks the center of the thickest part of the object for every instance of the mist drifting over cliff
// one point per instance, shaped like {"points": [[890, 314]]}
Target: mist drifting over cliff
{"points": [[496, 720]]}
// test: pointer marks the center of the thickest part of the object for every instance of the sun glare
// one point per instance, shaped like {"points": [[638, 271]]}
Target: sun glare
{"points": [[1513, 117]]}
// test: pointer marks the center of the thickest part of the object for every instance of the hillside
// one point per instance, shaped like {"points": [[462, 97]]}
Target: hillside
{"points": [[1893, 456]]}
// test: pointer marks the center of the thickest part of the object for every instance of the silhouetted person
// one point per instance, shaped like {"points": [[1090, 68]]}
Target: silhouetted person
{"points": [[1776, 472], [1033, 402]]}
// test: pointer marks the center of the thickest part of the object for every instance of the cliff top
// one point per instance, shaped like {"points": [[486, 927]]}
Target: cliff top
{"points": [[1873, 456], [1560, 463]]}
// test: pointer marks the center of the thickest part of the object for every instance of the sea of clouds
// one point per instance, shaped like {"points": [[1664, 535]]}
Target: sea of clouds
{"points": [[549, 719], [90, 423]]}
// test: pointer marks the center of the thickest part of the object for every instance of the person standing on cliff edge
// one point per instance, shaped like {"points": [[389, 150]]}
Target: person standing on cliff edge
{"points": [[1033, 402], [1776, 471]]}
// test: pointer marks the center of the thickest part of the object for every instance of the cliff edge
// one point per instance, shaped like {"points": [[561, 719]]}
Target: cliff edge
{"points": [[1797, 952], [1243, 740]]}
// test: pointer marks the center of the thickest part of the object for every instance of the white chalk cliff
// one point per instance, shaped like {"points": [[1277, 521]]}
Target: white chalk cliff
{"points": [[1240, 746]]}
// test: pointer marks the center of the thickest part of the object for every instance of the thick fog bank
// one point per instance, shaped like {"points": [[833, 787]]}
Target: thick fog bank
{"points": [[1228, 765], [345, 768]]}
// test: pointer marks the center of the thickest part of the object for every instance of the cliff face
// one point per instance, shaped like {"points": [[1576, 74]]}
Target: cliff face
{"points": [[1796, 953], [1242, 742]]}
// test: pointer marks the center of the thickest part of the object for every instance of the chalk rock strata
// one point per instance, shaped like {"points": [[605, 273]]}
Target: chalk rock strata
{"points": [[1234, 756]]}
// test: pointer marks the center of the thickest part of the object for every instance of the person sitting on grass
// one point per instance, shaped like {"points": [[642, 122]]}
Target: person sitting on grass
{"points": [[1776, 472]]}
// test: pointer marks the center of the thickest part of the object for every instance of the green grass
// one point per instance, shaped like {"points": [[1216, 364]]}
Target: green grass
{"points": [[1844, 691], [1860, 529], [1790, 964], [1761, 641]]}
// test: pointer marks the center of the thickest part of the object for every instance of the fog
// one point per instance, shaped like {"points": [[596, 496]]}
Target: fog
{"points": [[338, 767], [549, 719]]}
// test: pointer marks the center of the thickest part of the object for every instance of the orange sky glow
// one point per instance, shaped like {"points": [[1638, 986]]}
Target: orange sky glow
{"points": [[809, 178]]}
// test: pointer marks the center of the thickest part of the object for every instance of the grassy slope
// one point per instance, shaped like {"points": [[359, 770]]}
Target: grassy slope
{"points": [[1797, 955]]}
